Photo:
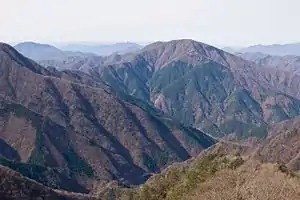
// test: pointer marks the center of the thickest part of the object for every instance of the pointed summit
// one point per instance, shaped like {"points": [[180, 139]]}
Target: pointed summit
{"points": [[162, 53]]}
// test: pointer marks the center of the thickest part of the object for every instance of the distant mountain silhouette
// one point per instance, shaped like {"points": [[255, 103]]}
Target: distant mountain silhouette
{"points": [[103, 49], [38, 51], [275, 49], [290, 63]]}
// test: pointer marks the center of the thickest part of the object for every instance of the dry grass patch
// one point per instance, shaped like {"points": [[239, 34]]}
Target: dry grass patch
{"points": [[250, 182]]}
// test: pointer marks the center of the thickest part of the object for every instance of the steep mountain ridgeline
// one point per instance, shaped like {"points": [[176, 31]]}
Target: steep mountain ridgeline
{"points": [[205, 87], [72, 122]]}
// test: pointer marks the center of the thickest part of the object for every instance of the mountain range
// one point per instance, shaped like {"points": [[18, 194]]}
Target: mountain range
{"points": [[103, 125], [87, 131], [275, 49], [103, 49], [200, 86], [290, 63], [39, 52]]}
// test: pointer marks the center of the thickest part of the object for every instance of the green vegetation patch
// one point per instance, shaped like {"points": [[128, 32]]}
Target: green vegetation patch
{"points": [[179, 181]]}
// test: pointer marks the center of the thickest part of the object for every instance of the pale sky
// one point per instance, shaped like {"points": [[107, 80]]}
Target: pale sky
{"points": [[218, 22]]}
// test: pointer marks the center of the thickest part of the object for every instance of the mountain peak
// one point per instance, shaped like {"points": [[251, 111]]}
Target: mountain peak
{"points": [[187, 50], [183, 44], [33, 44], [37, 51]]}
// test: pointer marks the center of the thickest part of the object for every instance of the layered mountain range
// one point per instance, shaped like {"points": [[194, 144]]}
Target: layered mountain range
{"points": [[289, 63], [274, 49], [103, 49], [99, 123], [200, 85], [67, 121], [40, 52]]}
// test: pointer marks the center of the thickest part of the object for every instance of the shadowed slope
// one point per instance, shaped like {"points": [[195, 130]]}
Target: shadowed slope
{"points": [[64, 120]]}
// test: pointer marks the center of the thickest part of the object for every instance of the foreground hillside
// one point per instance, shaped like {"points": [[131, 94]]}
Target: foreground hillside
{"points": [[231, 171], [85, 134], [225, 171], [217, 174]]}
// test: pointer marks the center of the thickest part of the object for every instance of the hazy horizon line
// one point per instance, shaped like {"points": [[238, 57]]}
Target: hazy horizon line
{"points": [[142, 43]]}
